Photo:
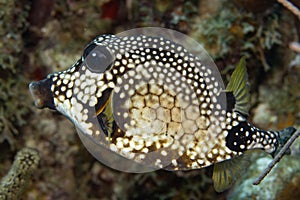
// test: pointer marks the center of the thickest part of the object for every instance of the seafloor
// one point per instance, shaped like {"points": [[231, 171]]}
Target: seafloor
{"points": [[39, 37]]}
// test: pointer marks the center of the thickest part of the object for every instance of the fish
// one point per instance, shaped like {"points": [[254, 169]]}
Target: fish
{"points": [[148, 99]]}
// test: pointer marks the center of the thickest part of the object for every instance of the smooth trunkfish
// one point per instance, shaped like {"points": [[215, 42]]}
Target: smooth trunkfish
{"points": [[145, 100]]}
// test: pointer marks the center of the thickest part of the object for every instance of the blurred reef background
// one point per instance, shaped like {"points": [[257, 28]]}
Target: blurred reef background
{"points": [[38, 37]]}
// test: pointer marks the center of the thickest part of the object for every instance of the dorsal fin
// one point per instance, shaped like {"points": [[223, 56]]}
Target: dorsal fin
{"points": [[240, 87]]}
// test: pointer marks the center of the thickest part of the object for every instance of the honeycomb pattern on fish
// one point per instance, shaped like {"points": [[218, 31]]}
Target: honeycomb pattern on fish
{"points": [[150, 100]]}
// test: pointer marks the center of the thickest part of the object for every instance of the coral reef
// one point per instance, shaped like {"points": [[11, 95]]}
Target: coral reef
{"points": [[165, 13], [291, 190], [13, 97], [13, 185], [39, 38], [234, 33], [284, 174]]}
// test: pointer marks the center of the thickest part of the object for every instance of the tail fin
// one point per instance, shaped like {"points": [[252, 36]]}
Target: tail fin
{"points": [[283, 136], [285, 139]]}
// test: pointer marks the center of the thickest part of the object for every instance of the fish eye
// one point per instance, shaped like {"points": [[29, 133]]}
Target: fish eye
{"points": [[97, 58]]}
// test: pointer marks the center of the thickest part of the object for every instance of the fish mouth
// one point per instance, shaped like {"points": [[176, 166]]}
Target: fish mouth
{"points": [[41, 93]]}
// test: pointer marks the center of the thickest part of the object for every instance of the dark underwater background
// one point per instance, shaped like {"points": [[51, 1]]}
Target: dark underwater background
{"points": [[38, 37]]}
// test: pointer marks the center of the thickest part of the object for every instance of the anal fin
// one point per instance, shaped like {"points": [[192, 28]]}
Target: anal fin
{"points": [[227, 172]]}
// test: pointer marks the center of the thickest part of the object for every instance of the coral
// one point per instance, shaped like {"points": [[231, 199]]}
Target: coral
{"points": [[279, 100], [12, 100], [68, 171], [272, 185], [291, 190], [235, 33], [72, 15], [13, 23], [12, 186], [165, 13]]}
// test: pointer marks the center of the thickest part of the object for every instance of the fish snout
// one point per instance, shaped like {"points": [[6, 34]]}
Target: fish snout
{"points": [[42, 94]]}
